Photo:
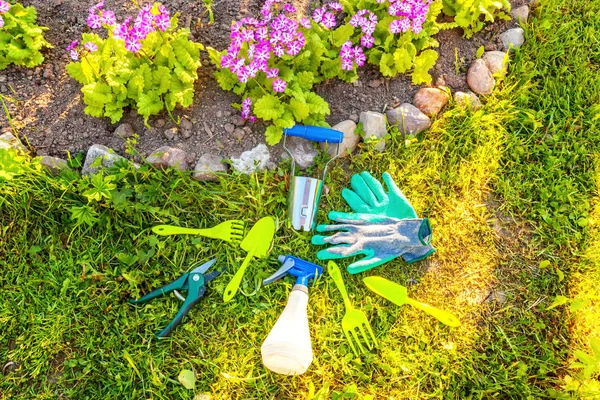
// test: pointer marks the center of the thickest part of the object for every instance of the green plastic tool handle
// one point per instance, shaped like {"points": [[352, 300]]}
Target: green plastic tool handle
{"points": [[175, 285], [443, 316], [185, 308], [234, 283], [168, 230], [336, 275]]}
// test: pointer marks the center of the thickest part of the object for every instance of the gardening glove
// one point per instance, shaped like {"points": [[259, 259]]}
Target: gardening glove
{"points": [[367, 196], [379, 238]]}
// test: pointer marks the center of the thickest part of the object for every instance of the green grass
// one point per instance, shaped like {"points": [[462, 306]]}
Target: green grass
{"points": [[506, 188]]}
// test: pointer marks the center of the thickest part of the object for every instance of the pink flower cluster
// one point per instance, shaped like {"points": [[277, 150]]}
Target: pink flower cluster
{"points": [[255, 42], [351, 55], [246, 104], [367, 21], [412, 13], [131, 31], [327, 18], [88, 47], [4, 7]]}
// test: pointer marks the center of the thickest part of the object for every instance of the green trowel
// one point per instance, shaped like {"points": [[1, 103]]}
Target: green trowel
{"points": [[398, 295]]}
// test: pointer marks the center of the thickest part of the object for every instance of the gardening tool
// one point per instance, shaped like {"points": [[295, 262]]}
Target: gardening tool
{"points": [[287, 349], [354, 320], [229, 231], [379, 238], [257, 244], [398, 295], [367, 196], [305, 192], [193, 282]]}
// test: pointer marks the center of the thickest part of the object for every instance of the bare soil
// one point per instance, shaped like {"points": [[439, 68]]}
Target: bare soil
{"points": [[48, 110]]}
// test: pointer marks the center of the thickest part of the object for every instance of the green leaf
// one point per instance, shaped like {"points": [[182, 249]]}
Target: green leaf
{"points": [[215, 56], [75, 70], [423, 63], [268, 108], [544, 264], [578, 303], [595, 344], [316, 104], [558, 301], [299, 109], [149, 104], [387, 65], [561, 275], [585, 357], [403, 58], [187, 379], [226, 79], [84, 215], [342, 34], [480, 51], [273, 135], [305, 80]]}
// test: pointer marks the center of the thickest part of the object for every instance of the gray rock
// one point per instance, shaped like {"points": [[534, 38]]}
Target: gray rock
{"points": [[208, 166], [513, 38], [186, 134], [238, 121], [253, 160], [229, 128], [239, 133], [353, 117], [430, 101], [48, 72], [166, 156], [97, 151], [124, 131], [9, 141], [160, 123], [171, 133], [495, 61], [351, 139], [520, 14], [303, 151], [374, 126], [409, 119], [479, 78], [53, 164], [186, 125], [468, 99]]}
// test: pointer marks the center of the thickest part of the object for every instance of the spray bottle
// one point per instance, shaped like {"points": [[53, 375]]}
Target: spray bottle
{"points": [[287, 349]]}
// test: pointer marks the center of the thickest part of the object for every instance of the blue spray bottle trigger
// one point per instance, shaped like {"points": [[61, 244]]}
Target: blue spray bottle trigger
{"points": [[303, 270]]}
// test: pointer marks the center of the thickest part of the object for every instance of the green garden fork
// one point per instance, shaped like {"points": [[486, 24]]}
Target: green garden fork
{"points": [[354, 320]]}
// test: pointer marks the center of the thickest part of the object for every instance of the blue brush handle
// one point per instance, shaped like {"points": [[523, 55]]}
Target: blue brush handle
{"points": [[316, 133]]}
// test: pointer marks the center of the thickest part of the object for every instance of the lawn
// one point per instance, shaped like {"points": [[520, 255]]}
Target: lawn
{"points": [[512, 194]]}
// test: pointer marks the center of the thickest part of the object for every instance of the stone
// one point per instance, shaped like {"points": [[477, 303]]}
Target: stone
{"points": [[409, 119], [479, 78], [208, 167], [171, 133], [351, 139], [375, 83], [374, 126], [9, 141], [229, 128], [186, 125], [302, 150], [238, 120], [53, 164], [496, 62], [166, 156], [124, 131], [186, 134], [48, 72], [353, 117], [520, 14], [467, 99], [160, 123], [513, 38], [430, 100], [256, 159], [108, 156], [239, 133]]}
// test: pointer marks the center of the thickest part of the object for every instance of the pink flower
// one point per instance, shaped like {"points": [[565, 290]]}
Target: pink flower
{"points": [[1, 22], [347, 64], [94, 21], [4, 7], [132, 45], [108, 17], [318, 14], [335, 6], [273, 73], [367, 41], [162, 22], [74, 55], [279, 85], [252, 119], [305, 22], [73, 44], [329, 20], [288, 8], [91, 47]]}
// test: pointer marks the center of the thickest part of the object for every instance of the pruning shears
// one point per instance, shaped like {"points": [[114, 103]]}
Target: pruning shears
{"points": [[194, 282]]}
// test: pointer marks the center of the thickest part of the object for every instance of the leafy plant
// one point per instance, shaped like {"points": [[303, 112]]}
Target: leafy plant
{"points": [[21, 39], [274, 62], [472, 15], [146, 63]]}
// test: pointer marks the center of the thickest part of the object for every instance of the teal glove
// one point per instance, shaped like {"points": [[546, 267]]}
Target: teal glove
{"points": [[367, 196], [379, 238]]}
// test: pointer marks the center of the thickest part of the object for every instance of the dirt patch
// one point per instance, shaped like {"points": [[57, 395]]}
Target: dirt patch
{"points": [[47, 107]]}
